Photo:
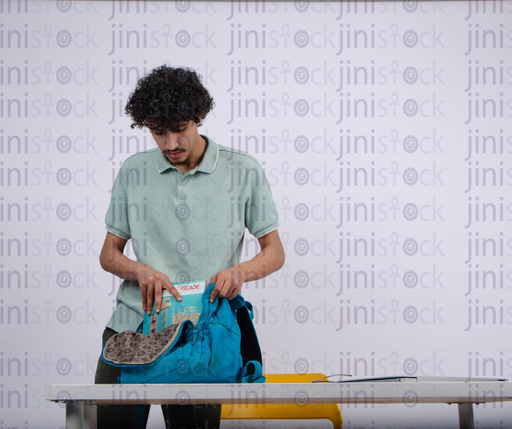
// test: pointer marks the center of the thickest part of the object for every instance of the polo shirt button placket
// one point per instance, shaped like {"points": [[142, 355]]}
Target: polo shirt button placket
{"points": [[181, 189]]}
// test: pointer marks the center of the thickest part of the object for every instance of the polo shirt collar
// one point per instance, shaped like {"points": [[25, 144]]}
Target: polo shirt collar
{"points": [[207, 165]]}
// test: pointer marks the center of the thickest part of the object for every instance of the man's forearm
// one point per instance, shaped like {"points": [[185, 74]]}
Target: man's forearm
{"points": [[267, 261], [114, 261], [151, 282]]}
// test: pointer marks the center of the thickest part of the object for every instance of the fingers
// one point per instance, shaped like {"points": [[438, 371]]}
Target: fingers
{"points": [[220, 290], [173, 291], [149, 297], [158, 293], [215, 292], [163, 283], [233, 294], [225, 287], [152, 287], [144, 297], [213, 279], [146, 290]]}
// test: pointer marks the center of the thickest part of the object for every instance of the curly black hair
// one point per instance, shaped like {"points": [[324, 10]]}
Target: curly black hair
{"points": [[168, 98]]}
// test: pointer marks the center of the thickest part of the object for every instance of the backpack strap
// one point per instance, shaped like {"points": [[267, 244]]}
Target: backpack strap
{"points": [[256, 375], [250, 346]]}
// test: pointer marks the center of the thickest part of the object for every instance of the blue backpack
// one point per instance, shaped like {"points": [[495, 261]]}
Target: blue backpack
{"points": [[223, 348]]}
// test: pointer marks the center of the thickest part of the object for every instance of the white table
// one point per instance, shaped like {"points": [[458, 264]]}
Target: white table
{"points": [[81, 400]]}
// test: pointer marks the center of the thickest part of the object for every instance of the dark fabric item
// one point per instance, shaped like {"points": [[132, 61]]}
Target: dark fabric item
{"points": [[250, 346], [125, 416]]}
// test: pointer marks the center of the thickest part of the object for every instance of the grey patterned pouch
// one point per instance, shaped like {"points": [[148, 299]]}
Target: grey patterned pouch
{"points": [[134, 348]]}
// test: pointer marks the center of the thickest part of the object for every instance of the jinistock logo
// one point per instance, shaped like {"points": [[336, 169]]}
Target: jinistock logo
{"points": [[79, 38], [370, 245], [47, 73], [128, 145], [486, 38], [487, 246], [62, 6], [481, 364], [357, 210], [490, 279], [133, 38], [120, 8], [126, 75], [30, 364], [373, 364], [350, 279], [486, 7], [345, 314], [46, 210], [47, 176], [487, 107], [488, 312], [26, 245], [486, 211], [343, 144], [78, 107], [486, 75], [350, 177], [331, 9], [347, 38], [348, 75], [326, 106], [45, 143], [363, 247], [30, 313], [486, 143]]}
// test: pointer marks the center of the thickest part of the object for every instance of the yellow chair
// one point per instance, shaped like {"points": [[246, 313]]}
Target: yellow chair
{"points": [[286, 411]]}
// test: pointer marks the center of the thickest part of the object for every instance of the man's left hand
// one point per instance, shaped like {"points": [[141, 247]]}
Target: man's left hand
{"points": [[228, 284]]}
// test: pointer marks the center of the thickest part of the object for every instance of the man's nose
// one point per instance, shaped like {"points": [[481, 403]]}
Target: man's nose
{"points": [[171, 140]]}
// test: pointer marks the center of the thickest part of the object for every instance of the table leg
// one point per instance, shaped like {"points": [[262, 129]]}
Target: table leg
{"points": [[90, 419], [466, 419], [74, 415]]}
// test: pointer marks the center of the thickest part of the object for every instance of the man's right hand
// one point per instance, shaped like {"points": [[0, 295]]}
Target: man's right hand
{"points": [[152, 283]]}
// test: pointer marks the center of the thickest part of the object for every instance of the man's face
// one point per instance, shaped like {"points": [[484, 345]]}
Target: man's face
{"points": [[179, 147]]}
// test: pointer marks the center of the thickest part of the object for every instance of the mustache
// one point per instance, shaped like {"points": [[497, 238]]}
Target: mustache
{"points": [[175, 150]]}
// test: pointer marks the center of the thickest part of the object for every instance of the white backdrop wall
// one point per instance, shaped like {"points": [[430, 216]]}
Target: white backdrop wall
{"points": [[384, 131]]}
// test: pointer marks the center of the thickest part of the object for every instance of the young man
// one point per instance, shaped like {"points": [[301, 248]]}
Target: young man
{"points": [[185, 206]]}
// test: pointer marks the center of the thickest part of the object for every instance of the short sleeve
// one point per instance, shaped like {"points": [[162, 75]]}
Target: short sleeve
{"points": [[261, 215], [116, 219]]}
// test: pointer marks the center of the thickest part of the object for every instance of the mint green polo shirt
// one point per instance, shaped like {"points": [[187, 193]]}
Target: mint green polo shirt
{"points": [[190, 226]]}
